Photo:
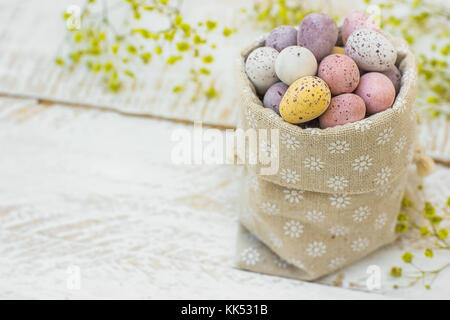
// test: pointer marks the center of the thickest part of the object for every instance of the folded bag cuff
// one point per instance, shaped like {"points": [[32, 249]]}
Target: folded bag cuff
{"points": [[354, 158]]}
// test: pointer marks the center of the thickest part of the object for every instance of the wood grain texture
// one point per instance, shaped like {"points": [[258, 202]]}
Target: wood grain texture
{"points": [[98, 190]]}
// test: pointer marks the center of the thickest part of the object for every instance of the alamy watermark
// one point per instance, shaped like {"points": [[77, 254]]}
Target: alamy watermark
{"points": [[259, 147]]}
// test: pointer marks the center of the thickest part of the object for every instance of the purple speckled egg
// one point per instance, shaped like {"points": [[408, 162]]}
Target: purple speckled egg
{"points": [[282, 37], [371, 50], [273, 96], [345, 108], [355, 21], [318, 33], [395, 76], [340, 73], [377, 91]]}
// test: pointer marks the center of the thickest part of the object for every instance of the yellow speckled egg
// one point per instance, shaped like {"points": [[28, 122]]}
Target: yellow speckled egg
{"points": [[306, 99], [337, 50]]}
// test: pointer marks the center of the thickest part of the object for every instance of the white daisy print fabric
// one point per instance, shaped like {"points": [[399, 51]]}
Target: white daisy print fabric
{"points": [[293, 196], [339, 231], [363, 163], [315, 216], [269, 208], [380, 221], [314, 164], [336, 262], [337, 183], [361, 214], [293, 229], [316, 249], [360, 244], [290, 142], [383, 176], [296, 262], [289, 176], [339, 146], [276, 241], [340, 201], [385, 136], [400, 144], [250, 256], [363, 125]]}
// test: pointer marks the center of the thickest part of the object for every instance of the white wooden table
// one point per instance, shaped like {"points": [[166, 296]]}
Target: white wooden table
{"points": [[92, 195], [96, 190]]}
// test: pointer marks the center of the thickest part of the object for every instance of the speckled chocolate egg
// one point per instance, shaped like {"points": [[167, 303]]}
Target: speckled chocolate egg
{"points": [[340, 73], [306, 99], [273, 96], [260, 68], [282, 37], [371, 50], [345, 108], [295, 62], [355, 21], [319, 33], [337, 50], [377, 91], [395, 76]]}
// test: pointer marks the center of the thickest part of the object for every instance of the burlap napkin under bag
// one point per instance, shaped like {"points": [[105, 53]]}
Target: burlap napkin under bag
{"points": [[337, 193]]}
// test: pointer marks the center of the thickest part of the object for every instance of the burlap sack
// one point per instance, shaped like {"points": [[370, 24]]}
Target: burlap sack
{"points": [[337, 193]]}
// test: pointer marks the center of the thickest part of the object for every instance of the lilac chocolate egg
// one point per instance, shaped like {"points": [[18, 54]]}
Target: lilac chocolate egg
{"points": [[340, 73], [318, 33], [395, 76], [345, 108], [377, 91], [273, 96], [282, 37], [355, 21]]}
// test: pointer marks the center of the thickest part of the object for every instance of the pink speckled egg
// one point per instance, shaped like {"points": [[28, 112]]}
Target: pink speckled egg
{"points": [[345, 108], [395, 76], [340, 73], [355, 21], [377, 91]]}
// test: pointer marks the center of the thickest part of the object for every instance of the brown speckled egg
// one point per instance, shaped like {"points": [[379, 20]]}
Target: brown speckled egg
{"points": [[306, 99], [370, 50], [260, 68], [377, 91], [355, 21], [340, 73], [395, 76], [345, 108]]}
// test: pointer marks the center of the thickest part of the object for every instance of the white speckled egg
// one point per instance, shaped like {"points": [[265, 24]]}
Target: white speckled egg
{"points": [[370, 50], [295, 62], [260, 68]]}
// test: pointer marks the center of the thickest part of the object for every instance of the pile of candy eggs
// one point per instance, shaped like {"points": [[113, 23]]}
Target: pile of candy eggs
{"points": [[322, 73]]}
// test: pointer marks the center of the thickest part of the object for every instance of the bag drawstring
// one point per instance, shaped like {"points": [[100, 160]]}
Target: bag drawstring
{"points": [[424, 164]]}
